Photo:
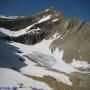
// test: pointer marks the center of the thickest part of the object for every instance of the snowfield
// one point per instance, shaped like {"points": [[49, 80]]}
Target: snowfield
{"points": [[36, 60], [11, 78]]}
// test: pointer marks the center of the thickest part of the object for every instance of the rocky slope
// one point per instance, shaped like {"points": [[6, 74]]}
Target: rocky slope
{"points": [[53, 41]]}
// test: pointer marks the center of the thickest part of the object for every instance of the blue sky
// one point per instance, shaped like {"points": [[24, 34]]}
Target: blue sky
{"points": [[70, 8]]}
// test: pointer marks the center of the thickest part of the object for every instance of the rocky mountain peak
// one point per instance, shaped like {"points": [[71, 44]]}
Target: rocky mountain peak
{"points": [[55, 13], [42, 25]]}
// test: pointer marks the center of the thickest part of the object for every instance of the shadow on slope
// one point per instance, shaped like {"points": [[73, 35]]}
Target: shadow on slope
{"points": [[9, 56], [2, 35]]}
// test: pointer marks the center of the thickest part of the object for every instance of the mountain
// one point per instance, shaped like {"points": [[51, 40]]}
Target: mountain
{"points": [[47, 51]]}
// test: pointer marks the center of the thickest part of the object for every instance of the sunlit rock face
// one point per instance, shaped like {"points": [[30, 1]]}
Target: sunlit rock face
{"points": [[57, 39]]}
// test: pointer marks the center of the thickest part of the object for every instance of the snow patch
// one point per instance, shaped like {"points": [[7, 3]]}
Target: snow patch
{"points": [[46, 10], [55, 20], [9, 17], [44, 19], [80, 64], [27, 28]]}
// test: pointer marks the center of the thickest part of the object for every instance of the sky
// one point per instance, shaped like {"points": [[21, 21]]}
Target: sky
{"points": [[70, 8]]}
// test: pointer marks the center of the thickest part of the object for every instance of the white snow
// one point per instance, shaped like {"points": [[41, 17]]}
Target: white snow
{"points": [[80, 64], [13, 33], [27, 28], [55, 20], [11, 78], [44, 19], [46, 10], [5, 32], [18, 33], [9, 17]]}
